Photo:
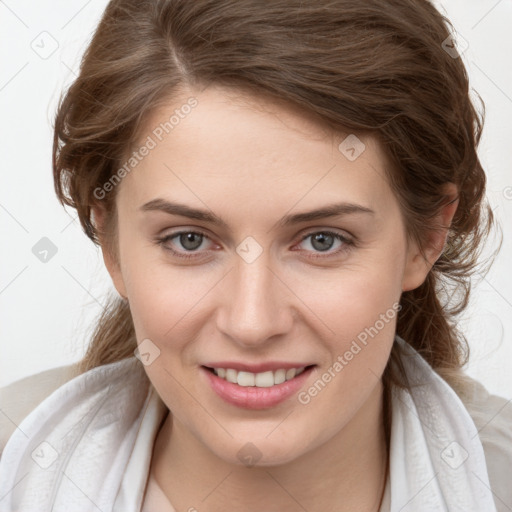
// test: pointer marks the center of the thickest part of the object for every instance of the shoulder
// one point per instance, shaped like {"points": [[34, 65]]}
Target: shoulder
{"points": [[492, 416], [18, 399]]}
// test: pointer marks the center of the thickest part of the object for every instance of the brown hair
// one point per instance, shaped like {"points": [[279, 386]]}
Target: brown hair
{"points": [[375, 67]]}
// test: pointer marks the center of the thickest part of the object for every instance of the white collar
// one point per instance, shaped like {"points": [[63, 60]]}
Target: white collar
{"points": [[437, 461]]}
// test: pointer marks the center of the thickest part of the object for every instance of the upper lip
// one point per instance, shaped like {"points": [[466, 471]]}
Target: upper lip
{"points": [[256, 367]]}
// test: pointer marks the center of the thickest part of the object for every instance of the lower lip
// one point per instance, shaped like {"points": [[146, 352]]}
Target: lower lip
{"points": [[253, 397]]}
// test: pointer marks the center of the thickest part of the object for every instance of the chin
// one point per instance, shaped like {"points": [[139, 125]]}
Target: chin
{"points": [[258, 451]]}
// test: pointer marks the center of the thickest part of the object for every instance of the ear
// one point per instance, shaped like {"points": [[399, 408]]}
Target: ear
{"points": [[109, 257], [417, 267]]}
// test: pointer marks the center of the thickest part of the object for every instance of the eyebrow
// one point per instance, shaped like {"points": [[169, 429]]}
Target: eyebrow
{"points": [[332, 210]]}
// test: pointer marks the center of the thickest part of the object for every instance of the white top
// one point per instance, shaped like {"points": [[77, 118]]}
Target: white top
{"points": [[88, 445]]}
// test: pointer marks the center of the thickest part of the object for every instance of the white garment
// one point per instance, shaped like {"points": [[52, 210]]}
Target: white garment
{"points": [[88, 446]]}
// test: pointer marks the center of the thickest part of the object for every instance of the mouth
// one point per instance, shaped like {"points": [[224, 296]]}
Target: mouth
{"points": [[261, 390]]}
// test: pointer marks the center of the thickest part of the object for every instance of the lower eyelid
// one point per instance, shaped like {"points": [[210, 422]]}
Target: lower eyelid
{"points": [[346, 245], [167, 238]]}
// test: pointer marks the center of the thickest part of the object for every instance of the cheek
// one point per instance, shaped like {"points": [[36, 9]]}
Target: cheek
{"points": [[160, 295], [353, 296], [162, 303]]}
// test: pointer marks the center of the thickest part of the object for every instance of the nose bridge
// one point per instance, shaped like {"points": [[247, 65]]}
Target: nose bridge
{"points": [[254, 309]]}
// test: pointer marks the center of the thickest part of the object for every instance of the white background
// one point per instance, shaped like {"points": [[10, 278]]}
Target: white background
{"points": [[47, 309]]}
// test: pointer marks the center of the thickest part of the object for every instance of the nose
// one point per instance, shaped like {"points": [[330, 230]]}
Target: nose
{"points": [[255, 309]]}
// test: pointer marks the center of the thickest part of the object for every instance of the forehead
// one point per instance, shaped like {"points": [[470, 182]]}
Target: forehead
{"points": [[245, 149]]}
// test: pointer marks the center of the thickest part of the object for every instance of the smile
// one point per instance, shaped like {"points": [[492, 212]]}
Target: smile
{"points": [[262, 390]]}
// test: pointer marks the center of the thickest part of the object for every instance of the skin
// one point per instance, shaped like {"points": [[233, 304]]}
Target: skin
{"points": [[252, 160]]}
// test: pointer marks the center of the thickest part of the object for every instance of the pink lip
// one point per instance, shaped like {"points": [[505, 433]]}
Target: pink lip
{"points": [[252, 397], [256, 368]]}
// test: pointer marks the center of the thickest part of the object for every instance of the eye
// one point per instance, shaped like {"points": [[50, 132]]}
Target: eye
{"points": [[323, 241], [190, 241]]}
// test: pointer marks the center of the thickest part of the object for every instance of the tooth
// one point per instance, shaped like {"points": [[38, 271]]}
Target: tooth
{"points": [[279, 376], [290, 373], [264, 379], [245, 379], [231, 375]]}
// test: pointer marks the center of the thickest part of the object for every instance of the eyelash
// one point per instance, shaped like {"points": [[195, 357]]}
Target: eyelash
{"points": [[347, 243]]}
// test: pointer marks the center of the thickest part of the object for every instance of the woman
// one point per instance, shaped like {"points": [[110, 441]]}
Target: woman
{"points": [[285, 193]]}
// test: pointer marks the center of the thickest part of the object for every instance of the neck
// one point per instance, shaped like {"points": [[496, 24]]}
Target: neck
{"points": [[347, 473]]}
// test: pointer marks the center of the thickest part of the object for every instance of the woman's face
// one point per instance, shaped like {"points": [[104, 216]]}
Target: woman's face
{"points": [[252, 281]]}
